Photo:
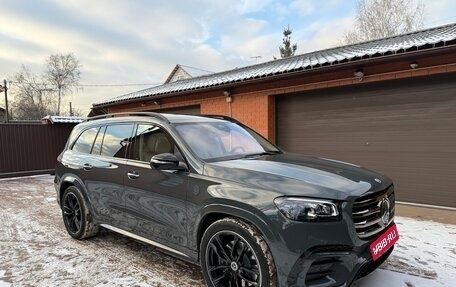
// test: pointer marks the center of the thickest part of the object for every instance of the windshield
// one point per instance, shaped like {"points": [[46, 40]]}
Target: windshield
{"points": [[216, 140]]}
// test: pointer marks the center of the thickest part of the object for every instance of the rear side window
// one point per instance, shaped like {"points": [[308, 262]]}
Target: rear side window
{"points": [[96, 149], [116, 140], [85, 141]]}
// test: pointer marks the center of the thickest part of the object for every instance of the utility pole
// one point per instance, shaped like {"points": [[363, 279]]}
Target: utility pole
{"points": [[5, 89], [71, 110]]}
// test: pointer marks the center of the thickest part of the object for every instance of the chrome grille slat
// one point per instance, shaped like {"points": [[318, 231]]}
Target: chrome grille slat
{"points": [[366, 213], [373, 232], [366, 223]]}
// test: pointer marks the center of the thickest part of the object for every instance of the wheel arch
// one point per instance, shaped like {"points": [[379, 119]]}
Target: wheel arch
{"points": [[70, 180], [215, 212]]}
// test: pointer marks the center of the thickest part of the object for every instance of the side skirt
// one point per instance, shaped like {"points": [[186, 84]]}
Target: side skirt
{"points": [[151, 242]]}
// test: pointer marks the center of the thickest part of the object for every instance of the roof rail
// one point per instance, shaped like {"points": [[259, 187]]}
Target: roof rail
{"points": [[221, 117], [145, 114]]}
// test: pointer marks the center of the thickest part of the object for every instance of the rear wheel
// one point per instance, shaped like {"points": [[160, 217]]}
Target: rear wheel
{"points": [[76, 216], [233, 253]]}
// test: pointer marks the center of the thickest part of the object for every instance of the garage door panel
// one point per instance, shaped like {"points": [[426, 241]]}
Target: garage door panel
{"points": [[404, 129]]}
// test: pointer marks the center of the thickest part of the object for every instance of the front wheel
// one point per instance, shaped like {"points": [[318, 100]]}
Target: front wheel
{"points": [[76, 216], [234, 253]]}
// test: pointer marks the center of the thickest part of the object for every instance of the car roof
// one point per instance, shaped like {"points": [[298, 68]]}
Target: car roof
{"points": [[178, 118], [145, 116]]}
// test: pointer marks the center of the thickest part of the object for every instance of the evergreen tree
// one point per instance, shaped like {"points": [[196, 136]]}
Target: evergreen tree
{"points": [[287, 49]]}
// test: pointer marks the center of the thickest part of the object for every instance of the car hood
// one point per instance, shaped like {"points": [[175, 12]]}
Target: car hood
{"points": [[292, 174]]}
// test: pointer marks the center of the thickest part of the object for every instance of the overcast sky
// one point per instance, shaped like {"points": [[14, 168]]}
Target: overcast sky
{"points": [[140, 42]]}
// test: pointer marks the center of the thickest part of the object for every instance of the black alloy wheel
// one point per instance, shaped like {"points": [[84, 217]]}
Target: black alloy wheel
{"points": [[76, 216], [233, 253], [231, 261], [72, 214]]}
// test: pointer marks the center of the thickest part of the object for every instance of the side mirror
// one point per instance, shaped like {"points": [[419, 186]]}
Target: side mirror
{"points": [[164, 161]]}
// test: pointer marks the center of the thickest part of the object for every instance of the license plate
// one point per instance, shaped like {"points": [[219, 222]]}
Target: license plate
{"points": [[384, 242]]}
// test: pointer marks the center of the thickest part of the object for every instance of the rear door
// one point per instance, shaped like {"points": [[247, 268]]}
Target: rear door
{"points": [[101, 167]]}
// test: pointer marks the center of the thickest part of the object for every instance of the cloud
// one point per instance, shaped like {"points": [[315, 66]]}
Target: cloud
{"points": [[325, 34], [250, 6], [439, 13], [302, 7], [141, 41]]}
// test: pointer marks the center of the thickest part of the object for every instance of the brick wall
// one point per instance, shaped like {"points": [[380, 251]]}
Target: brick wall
{"points": [[254, 110]]}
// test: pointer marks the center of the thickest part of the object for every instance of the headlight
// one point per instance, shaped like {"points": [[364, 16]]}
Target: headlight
{"points": [[303, 209]]}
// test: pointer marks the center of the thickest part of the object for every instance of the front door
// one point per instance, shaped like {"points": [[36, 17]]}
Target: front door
{"points": [[155, 201]]}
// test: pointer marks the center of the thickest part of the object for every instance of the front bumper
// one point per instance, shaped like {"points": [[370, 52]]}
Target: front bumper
{"points": [[322, 254], [332, 267]]}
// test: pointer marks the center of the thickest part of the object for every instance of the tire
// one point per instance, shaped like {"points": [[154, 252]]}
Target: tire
{"points": [[234, 253], [76, 216]]}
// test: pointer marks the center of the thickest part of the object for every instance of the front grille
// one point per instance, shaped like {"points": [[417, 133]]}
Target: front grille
{"points": [[367, 213]]}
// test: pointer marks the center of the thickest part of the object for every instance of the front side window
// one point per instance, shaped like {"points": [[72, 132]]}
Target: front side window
{"points": [[116, 139], [211, 140], [85, 141], [150, 140]]}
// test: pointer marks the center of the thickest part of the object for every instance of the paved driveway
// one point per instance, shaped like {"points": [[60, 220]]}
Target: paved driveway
{"points": [[35, 250]]}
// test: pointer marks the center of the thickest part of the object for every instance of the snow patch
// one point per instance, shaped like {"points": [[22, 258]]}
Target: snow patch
{"points": [[3, 283]]}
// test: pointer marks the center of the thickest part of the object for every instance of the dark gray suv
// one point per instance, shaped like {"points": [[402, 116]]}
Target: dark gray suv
{"points": [[210, 190]]}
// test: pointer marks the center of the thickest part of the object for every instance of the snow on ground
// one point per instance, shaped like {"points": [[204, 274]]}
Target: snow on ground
{"points": [[35, 250], [385, 278], [426, 249]]}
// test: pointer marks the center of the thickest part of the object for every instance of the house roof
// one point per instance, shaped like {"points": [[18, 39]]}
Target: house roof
{"points": [[400, 44], [63, 120], [191, 72], [174, 71]]}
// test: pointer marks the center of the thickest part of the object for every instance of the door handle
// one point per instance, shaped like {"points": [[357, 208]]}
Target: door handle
{"points": [[87, 166], [133, 175]]}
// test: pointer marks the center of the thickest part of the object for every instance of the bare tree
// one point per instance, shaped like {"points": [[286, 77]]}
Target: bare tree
{"points": [[33, 100], [287, 49], [383, 18], [63, 73]]}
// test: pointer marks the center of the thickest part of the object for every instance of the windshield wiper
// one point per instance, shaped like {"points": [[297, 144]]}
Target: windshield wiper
{"points": [[261, 153]]}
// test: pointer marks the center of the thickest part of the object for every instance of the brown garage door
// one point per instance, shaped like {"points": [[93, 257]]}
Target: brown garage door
{"points": [[405, 129], [189, 110]]}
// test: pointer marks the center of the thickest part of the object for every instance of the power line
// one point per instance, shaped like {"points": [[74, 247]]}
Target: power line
{"points": [[92, 85], [195, 68], [117, 85]]}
